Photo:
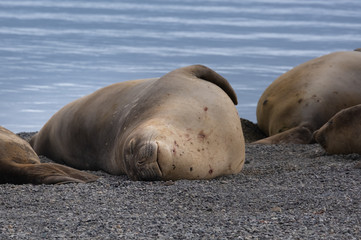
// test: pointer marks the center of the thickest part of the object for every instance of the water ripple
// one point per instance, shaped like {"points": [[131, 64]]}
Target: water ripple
{"points": [[254, 9], [53, 52]]}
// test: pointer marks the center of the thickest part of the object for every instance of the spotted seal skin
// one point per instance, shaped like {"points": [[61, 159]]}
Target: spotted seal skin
{"points": [[342, 133], [183, 125], [20, 164], [301, 100]]}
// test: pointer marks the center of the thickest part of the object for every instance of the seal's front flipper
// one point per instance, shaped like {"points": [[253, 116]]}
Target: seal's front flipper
{"points": [[45, 173], [296, 135]]}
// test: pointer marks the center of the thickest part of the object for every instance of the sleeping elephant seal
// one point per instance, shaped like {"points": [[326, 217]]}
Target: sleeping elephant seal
{"points": [[342, 133], [301, 100], [20, 164], [183, 125]]}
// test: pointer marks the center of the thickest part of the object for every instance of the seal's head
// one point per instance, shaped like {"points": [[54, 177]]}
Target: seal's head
{"points": [[342, 133], [155, 151], [150, 153]]}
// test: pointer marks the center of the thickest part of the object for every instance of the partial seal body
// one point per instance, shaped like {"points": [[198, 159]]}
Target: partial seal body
{"points": [[342, 133], [183, 125], [304, 98], [20, 164]]}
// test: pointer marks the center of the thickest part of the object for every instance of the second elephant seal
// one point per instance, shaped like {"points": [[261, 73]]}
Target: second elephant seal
{"points": [[303, 99], [20, 164]]}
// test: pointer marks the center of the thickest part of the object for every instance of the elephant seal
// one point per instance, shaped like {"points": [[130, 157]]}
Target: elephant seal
{"points": [[20, 164], [342, 133], [303, 99], [183, 125]]}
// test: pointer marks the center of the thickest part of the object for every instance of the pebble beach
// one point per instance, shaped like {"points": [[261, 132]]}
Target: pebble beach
{"points": [[283, 192]]}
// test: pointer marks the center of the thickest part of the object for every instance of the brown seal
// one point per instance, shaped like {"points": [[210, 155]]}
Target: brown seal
{"points": [[342, 133], [20, 164], [301, 100], [183, 125]]}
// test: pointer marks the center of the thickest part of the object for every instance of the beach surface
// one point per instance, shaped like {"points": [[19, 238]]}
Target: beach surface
{"points": [[283, 192]]}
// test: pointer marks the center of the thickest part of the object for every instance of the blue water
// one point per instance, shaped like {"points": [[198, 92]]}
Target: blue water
{"points": [[53, 52]]}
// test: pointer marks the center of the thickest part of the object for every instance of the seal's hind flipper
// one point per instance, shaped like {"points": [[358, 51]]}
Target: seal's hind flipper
{"points": [[207, 74], [45, 173]]}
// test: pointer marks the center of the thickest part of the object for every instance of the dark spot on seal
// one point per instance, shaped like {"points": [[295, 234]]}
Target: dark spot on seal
{"points": [[265, 102], [300, 100], [174, 151], [190, 169], [210, 171], [201, 135], [198, 150], [173, 166], [335, 92], [205, 109], [176, 144]]}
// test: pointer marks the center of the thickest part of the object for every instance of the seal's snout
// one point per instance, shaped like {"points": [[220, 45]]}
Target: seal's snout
{"points": [[143, 161], [147, 154], [320, 138]]}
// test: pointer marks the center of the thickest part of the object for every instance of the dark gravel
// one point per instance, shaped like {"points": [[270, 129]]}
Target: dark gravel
{"points": [[284, 192]]}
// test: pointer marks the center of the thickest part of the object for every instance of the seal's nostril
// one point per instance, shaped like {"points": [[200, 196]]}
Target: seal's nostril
{"points": [[141, 162]]}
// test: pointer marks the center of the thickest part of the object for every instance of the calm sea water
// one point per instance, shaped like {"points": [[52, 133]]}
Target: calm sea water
{"points": [[53, 52]]}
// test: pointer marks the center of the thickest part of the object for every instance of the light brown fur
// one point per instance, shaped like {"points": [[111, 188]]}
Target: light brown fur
{"points": [[183, 125]]}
